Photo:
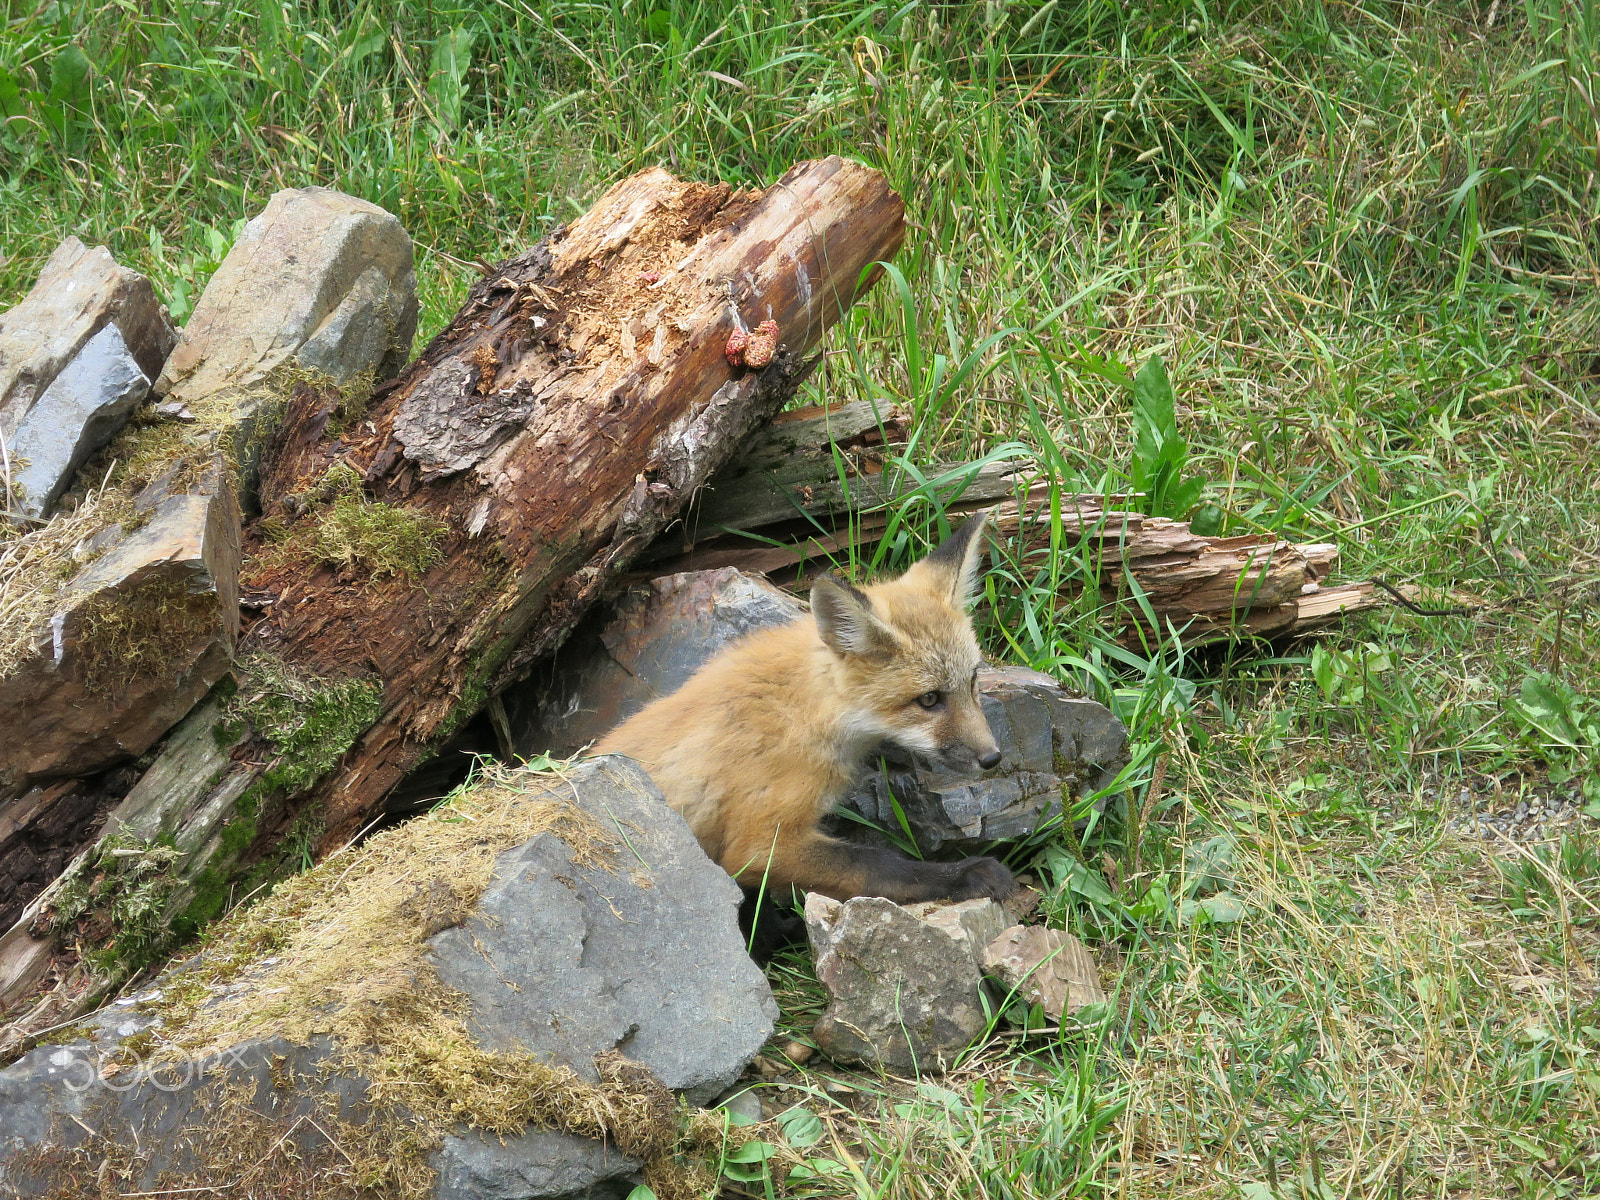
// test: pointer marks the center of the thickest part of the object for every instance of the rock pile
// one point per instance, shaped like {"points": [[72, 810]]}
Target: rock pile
{"points": [[320, 283], [121, 611], [906, 984]]}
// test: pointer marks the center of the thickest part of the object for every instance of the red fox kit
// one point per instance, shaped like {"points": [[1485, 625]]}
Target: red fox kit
{"points": [[765, 738]]}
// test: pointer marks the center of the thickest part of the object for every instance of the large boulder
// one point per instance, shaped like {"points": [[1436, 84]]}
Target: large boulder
{"points": [[555, 948], [654, 637], [76, 357], [318, 282]]}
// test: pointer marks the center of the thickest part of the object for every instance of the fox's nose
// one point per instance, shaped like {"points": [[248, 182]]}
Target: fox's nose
{"points": [[991, 759]]}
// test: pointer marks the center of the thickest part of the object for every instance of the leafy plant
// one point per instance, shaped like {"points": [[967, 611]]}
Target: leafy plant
{"points": [[447, 74], [1563, 725], [1160, 454]]}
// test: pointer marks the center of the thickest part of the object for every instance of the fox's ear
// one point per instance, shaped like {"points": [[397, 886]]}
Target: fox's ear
{"points": [[954, 563], [846, 621]]}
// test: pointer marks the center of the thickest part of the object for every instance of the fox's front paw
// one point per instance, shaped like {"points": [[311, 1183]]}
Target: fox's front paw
{"points": [[977, 878]]}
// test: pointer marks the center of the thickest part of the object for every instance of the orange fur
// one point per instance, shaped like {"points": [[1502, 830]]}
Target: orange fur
{"points": [[767, 737]]}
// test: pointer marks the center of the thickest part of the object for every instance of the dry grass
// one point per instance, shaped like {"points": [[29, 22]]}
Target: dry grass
{"points": [[37, 564]]}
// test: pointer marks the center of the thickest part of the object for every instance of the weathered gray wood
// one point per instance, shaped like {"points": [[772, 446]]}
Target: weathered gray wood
{"points": [[808, 488]]}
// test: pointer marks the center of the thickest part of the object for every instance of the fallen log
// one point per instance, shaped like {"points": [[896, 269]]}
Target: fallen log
{"points": [[415, 553], [815, 484]]}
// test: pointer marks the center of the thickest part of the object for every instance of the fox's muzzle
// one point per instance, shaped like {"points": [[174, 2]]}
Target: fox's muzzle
{"points": [[971, 744]]}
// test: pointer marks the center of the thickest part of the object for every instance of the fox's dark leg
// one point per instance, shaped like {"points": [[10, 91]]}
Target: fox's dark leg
{"points": [[815, 862], [769, 923]]}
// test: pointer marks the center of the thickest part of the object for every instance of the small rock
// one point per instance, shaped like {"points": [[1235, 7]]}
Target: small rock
{"points": [[904, 992], [1024, 901], [1045, 966], [744, 1106], [971, 924], [798, 1052]]}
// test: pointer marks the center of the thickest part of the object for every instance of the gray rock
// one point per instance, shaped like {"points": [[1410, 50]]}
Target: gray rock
{"points": [[581, 932], [81, 410], [80, 291], [140, 634], [535, 1163], [319, 281], [561, 957], [971, 924], [744, 1106], [655, 637], [45, 1095], [904, 992], [1053, 744]]}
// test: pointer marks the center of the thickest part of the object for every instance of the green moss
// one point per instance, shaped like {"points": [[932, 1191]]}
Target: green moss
{"points": [[211, 889], [353, 400], [384, 539], [342, 526], [312, 722], [113, 902]]}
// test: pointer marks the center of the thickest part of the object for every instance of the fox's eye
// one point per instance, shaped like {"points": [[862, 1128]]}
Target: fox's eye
{"points": [[930, 699]]}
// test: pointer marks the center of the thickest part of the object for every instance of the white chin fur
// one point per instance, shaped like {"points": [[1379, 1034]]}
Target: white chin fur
{"points": [[863, 733]]}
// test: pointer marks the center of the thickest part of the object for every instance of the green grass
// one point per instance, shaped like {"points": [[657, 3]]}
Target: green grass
{"points": [[1361, 237]]}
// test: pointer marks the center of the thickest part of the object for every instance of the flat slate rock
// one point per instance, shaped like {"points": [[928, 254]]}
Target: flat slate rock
{"points": [[1046, 967], [650, 963], [137, 638], [1053, 745], [82, 410]]}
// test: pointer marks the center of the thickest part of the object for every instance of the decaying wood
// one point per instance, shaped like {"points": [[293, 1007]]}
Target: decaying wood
{"points": [[814, 483], [576, 402], [560, 421]]}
